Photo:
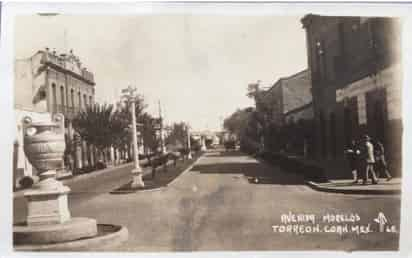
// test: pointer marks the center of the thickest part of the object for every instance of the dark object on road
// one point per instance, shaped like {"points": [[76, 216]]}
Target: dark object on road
{"points": [[100, 165], [26, 182]]}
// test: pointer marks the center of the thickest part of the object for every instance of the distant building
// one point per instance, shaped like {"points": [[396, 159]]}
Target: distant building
{"points": [[48, 83], [290, 98], [356, 82], [287, 102]]}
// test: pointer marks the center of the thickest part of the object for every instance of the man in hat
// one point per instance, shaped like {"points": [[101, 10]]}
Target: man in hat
{"points": [[367, 160]]}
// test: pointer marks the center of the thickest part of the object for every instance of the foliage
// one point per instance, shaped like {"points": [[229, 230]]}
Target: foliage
{"points": [[148, 130], [178, 135], [237, 122], [97, 125]]}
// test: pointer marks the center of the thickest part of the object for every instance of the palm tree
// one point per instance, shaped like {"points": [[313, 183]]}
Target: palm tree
{"points": [[97, 125]]}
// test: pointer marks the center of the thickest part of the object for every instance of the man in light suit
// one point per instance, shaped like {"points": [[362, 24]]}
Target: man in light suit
{"points": [[367, 160]]}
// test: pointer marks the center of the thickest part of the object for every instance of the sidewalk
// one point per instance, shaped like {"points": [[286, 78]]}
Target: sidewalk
{"points": [[75, 178], [345, 186]]}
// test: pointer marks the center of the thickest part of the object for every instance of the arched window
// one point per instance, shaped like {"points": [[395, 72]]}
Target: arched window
{"points": [[62, 96], [85, 100], [80, 99], [90, 100], [72, 97], [54, 100]]}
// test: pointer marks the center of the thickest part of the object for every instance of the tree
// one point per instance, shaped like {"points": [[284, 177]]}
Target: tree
{"points": [[178, 136], [96, 125], [148, 129], [123, 120], [238, 121]]}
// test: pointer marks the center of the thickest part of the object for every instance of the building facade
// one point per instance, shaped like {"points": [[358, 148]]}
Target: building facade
{"points": [[356, 83], [287, 109], [48, 83], [289, 99]]}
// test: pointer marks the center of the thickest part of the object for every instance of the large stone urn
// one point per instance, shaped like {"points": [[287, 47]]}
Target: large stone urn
{"points": [[44, 146], [48, 224]]}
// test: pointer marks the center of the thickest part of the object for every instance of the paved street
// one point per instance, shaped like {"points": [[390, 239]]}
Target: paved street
{"points": [[215, 207]]}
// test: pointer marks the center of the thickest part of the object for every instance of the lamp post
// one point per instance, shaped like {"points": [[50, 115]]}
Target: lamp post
{"points": [[129, 95], [161, 132]]}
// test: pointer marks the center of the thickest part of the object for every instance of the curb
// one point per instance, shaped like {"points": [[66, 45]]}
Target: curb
{"points": [[320, 188], [120, 192], [117, 236], [184, 171]]}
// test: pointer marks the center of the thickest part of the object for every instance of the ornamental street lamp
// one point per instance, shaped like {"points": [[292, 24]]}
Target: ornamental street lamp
{"points": [[130, 97]]}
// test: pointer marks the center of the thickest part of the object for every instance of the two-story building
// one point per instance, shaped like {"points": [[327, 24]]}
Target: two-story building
{"points": [[356, 83], [48, 83], [288, 103]]}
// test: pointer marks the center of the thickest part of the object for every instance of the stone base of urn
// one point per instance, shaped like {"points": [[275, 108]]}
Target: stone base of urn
{"points": [[47, 206]]}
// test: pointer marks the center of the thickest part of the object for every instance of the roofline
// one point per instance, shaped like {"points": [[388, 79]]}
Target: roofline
{"points": [[303, 107], [286, 78]]}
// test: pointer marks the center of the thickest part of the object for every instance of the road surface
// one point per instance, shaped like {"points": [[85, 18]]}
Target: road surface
{"points": [[217, 206]]}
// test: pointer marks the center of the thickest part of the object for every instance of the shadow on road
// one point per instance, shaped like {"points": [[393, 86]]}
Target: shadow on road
{"points": [[223, 153], [256, 173]]}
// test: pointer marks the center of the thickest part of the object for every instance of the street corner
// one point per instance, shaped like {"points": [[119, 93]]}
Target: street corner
{"points": [[384, 187]]}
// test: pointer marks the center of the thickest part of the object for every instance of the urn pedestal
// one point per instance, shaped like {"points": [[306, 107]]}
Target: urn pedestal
{"points": [[47, 206], [48, 224]]}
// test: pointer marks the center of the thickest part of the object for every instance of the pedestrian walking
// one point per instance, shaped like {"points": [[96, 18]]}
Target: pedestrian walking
{"points": [[367, 160], [352, 155], [381, 164]]}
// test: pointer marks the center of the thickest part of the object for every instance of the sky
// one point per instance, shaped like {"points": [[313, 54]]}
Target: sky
{"points": [[197, 66]]}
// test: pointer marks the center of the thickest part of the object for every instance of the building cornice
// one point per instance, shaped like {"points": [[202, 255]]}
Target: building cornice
{"points": [[63, 70]]}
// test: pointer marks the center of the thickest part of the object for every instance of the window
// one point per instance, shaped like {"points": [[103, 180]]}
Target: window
{"points": [[85, 100], [72, 97], [54, 97], [80, 99], [62, 95]]}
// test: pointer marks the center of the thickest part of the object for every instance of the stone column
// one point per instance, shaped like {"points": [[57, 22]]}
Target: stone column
{"points": [[203, 144], [91, 153], [112, 155], [78, 149]]}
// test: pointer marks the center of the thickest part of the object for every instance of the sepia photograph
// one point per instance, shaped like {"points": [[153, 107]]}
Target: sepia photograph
{"points": [[193, 131]]}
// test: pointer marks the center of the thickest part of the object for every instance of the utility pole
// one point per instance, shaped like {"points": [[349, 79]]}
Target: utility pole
{"points": [[130, 95], [162, 142], [189, 155]]}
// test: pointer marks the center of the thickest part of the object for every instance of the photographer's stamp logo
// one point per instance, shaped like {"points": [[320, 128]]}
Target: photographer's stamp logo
{"points": [[382, 221], [332, 223]]}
